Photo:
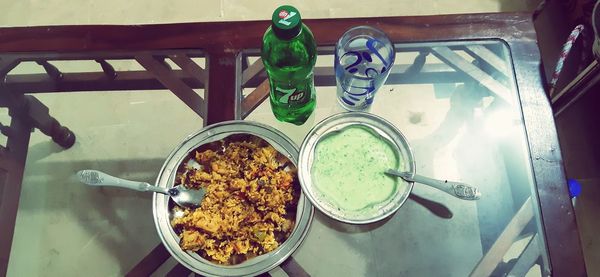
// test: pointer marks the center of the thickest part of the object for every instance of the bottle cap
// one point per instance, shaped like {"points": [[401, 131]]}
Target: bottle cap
{"points": [[286, 22]]}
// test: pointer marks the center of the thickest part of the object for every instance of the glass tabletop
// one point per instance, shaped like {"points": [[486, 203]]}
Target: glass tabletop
{"points": [[458, 105]]}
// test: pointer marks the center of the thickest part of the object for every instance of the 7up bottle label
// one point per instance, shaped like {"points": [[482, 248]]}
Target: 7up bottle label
{"points": [[293, 94]]}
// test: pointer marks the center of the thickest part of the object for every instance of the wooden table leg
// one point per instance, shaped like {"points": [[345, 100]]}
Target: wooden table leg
{"points": [[223, 86], [26, 113], [40, 118], [12, 165]]}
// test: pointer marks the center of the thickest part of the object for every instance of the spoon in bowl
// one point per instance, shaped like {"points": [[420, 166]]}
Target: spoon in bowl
{"points": [[456, 189], [182, 196]]}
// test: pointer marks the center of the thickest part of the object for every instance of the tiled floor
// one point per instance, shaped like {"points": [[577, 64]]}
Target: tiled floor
{"points": [[57, 12], [106, 226]]}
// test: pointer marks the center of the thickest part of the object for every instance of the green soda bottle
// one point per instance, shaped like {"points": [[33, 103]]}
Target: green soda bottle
{"points": [[289, 53]]}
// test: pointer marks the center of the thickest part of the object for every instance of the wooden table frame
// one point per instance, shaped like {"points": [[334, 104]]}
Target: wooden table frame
{"points": [[222, 44]]}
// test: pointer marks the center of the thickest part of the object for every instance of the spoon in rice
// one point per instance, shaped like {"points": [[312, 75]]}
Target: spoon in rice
{"points": [[184, 197]]}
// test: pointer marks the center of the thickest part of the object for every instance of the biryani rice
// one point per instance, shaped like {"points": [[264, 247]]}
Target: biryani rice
{"points": [[248, 207]]}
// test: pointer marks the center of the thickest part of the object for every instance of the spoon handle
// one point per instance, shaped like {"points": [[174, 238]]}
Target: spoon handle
{"points": [[97, 178], [460, 190], [456, 189]]}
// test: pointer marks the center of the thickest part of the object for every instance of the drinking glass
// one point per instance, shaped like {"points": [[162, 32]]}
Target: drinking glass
{"points": [[363, 59]]}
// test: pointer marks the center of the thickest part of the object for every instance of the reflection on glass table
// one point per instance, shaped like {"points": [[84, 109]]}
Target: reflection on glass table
{"points": [[458, 106]]}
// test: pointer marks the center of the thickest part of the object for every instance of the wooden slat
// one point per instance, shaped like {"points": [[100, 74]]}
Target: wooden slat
{"points": [[7, 64], [179, 271], [493, 257], [171, 82], [51, 70], [223, 87], [92, 81], [278, 272], [188, 65], [293, 268], [107, 68], [151, 262], [483, 53], [252, 71], [164, 268], [528, 258], [462, 65], [93, 55], [255, 98]]}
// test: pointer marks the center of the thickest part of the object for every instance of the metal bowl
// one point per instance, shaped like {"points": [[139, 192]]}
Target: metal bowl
{"points": [[377, 126], [166, 178]]}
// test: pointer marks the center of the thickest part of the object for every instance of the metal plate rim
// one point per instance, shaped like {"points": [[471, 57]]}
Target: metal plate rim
{"points": [[308, 144], [166, 177]]}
